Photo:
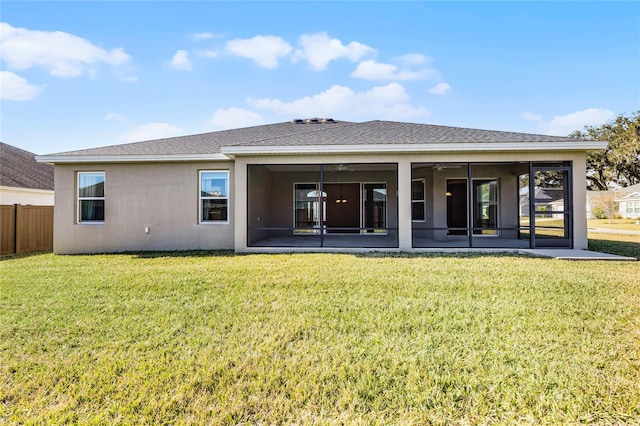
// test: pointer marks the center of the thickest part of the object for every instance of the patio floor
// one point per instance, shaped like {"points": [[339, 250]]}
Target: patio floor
{"points": [[457, 244]]}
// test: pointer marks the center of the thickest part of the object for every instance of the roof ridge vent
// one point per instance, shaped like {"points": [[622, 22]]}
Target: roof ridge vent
{"points": [[313, 120]]}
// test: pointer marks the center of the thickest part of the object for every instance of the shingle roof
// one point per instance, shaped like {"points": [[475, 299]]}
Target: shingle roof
{"points": [[336, 133], [19, 169]]}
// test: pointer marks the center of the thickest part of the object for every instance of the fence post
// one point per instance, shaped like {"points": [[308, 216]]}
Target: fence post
{"points": [[18, 225]]}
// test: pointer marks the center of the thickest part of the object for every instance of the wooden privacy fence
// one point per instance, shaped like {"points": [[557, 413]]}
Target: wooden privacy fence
{"points": [[25, 228]]}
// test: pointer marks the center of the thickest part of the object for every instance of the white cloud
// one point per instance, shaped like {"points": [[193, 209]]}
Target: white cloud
{"points": [[413, 59], [264, 50], [152, 131], [565, 124], [389, 102], [61, 54], [206, 53], [530, 116], [181, 61], [201, 36], [440, 89], [372, 70], [233, 118], [318, 49], [15, 88], [113, 116]]}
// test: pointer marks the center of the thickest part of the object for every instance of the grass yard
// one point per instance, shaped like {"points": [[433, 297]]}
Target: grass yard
{"points": [[620, 244], [218, 338]]}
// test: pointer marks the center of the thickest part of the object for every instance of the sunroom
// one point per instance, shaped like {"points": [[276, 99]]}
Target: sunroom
{"points": [[333, 205], [487, 205], [452, 205]]}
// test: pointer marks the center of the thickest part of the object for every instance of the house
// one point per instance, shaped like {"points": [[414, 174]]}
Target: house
{"points": [[22, 179], [629, 202], [546, 200], [322, 185]]}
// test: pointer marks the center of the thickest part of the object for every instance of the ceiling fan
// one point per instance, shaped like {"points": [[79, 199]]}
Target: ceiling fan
{"points": [[440, 167], [341, 168]]}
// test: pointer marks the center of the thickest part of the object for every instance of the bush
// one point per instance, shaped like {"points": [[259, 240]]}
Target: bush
{"points": [[599, 212]]}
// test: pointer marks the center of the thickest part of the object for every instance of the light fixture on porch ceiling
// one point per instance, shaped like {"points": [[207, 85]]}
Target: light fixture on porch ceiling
{"points": [[341, 199]]}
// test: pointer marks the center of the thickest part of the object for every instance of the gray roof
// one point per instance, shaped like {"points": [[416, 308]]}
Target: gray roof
{"points": [[19, 169], [300, 134]]}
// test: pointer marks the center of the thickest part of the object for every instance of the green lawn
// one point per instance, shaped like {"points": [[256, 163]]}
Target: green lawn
{"points": [[218, 338], [620, 244]]}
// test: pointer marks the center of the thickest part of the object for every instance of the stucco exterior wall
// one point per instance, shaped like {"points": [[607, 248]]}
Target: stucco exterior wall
{"points": [[162, 197]]}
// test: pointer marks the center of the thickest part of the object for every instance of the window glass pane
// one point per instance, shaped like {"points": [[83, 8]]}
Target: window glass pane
{"points": [[417, 190], [485, 208], [375, 207], [214, 184], [92, 210], [90, 185], [214, 210], [417, 210], [307, 205]]}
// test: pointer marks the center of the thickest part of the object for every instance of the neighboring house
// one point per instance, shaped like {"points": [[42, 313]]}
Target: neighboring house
{"points": [[629, 202], [320, 185], [22, 179], [547, 201]]}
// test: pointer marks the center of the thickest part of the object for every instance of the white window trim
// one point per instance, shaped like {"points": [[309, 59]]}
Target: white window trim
{"points": [[201, 198], [79, 220], [423, 201]]}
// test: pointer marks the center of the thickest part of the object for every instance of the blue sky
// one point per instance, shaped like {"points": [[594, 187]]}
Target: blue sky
{"points": [[77, 75]]}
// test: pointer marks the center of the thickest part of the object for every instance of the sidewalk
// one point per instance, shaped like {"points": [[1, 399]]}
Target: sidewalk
{"points": [[613, 231], [571, 254]]}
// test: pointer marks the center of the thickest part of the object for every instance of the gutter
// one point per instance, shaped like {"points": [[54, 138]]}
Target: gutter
{"points": [[56, 159]]}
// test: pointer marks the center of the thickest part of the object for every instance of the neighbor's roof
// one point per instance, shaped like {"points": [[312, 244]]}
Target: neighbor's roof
{"points": [[19, 169], [323, 137]]}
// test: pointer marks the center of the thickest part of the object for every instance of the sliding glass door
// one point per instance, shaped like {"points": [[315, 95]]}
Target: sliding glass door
{"points": [[485, 207]]}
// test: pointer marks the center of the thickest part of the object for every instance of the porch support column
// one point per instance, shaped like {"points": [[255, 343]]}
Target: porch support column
{"points": [[579, 182], [239, 205], [404, 204]]}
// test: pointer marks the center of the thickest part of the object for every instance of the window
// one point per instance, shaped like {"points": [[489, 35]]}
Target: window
{"points": [[91, 197], [374, 200], [418, 204], [214, 196], [307, 208]]}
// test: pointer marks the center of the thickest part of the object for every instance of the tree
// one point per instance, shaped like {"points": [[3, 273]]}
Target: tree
{"points": [[605, 206], [619, 163]]}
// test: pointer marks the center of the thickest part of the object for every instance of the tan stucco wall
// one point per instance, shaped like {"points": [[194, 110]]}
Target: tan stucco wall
{"points": [[160, 196]]}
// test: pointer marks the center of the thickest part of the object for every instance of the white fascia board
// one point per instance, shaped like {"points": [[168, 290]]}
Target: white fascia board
{"points": [[56, 159], [30, 190], [412, 148]]}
